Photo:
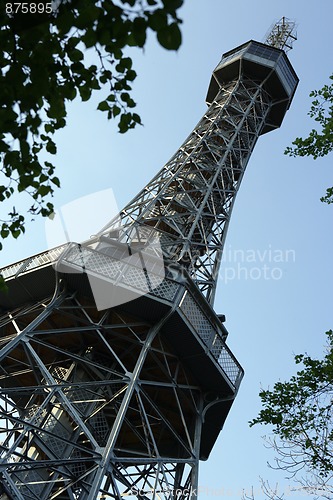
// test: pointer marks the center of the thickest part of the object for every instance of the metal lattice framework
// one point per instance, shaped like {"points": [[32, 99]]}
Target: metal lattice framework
{"points": [[189, 202], [124, 401], [93, 402]]}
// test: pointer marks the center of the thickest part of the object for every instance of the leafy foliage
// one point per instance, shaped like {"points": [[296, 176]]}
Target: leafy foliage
{"points": [[300, 410], [328, 198], [45, 65], [301, 413], [318, 143]]}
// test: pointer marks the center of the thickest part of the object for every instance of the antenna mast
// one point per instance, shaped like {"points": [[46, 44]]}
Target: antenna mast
{"points": [[282, 34]]}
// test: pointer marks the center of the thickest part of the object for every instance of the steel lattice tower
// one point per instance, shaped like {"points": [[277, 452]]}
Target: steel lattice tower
{"points": [[108, 402]]}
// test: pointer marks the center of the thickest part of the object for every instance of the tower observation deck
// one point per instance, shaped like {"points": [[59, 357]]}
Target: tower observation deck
{"points": [[115, 375]]}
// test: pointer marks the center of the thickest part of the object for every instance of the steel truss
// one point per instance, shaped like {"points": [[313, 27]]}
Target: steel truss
{"points": [[94, 404], [124, 401], [189, 202]]}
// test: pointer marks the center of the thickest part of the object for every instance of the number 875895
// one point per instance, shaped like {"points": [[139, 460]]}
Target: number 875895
{"points": [[28, 8]]}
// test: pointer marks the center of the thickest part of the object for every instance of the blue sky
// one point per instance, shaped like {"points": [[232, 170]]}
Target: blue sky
{"points": [[277, 212]]}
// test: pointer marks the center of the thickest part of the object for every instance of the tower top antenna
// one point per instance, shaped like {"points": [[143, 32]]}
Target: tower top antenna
{"points": [[282, 34]]}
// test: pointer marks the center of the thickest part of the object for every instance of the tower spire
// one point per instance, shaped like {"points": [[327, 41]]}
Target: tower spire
{"points": [[125, 400], [282, 34]]}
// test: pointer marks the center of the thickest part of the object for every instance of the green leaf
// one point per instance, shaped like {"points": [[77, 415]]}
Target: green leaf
{"points": [[89, 38], [43, 190], [25, 149], [69, 92], [125, 122], [103, 106], [57, 108], [124, 96], [127, 62], [56, 181], [43, 178], [139, 29], [158, 20], [172, 5], [115, 110], [51, 147], [85, 92], [130, 75], [130, 103], [118, 53], [73, 41], [87, 15], [16, 233], [60, 123], [49, 128], [65, 21], [105, 76], [136, 118], [4, 232], [170, 37]]}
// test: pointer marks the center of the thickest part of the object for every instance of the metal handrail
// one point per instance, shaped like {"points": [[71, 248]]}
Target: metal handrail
{"points": [[33, 262]]}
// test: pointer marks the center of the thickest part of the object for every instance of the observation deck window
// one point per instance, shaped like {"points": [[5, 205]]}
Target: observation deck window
{"points": [[287, 73], [264, 52], [232, 55]]}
